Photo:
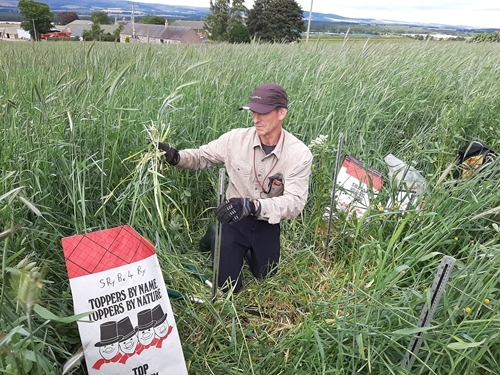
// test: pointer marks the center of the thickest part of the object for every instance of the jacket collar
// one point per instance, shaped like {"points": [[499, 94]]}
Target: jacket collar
{"points": [[278, 150]]}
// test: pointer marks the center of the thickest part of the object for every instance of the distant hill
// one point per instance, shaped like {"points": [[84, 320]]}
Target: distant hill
{"points": [[123, 8], [83, 7]]}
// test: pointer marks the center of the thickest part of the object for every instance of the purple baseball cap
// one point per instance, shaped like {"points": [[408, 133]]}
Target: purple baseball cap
{"points": [[267, 97]]}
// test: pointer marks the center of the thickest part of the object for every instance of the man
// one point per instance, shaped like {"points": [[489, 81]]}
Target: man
{"points": [[268, 170]]}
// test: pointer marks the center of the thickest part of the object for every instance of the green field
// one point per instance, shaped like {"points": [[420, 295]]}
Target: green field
{"points": [[74, 122]]}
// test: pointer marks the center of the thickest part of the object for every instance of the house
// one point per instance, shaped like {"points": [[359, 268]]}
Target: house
{"points": [[198, 26], [56, 34], [159, 34], [23, 34], [77, 27], [9, 31]]}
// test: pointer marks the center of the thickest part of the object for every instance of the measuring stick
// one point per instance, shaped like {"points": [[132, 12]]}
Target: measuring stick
{"points": [[218, 231], [332, 202], [437, 290]]}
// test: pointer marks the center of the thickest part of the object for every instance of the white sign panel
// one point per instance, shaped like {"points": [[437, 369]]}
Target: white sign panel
{"points": [[355, 184], [115, 273]]}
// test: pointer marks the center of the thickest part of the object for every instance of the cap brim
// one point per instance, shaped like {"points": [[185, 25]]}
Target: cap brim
{"points": [[258, 108]]}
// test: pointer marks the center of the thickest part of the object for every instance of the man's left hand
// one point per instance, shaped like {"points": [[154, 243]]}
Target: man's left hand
{"points": [[234, 209]]}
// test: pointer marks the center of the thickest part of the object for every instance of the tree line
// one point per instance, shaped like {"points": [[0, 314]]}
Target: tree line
{"points": [[486, 37], [38, 19], [275, 21]]}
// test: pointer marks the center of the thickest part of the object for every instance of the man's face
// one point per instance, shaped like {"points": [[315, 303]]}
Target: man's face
{"points": [[269, 124]]}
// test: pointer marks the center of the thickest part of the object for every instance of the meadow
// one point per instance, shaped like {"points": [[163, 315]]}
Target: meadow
{"points": [[75, 119]]}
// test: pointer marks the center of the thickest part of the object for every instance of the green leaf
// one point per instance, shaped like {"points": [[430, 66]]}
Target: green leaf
{"points": [[13, 192], [465, 345], [117, 80], [9, 232], [429, 256], [401, 268], [5, 339], [412, 331], [46, 314], [31, 206]]}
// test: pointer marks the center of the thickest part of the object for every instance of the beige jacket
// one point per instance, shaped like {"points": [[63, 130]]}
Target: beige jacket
{"points": [[249, 169]]}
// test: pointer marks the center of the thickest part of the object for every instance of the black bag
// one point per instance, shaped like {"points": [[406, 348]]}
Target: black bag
{"points": [[474, 158]]}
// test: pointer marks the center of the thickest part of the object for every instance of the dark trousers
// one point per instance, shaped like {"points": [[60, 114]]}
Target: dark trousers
{"points": [[260, 238]]}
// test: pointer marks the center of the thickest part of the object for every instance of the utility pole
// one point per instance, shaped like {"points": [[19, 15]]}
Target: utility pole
{"points": [[132, 19], [309, 21]]}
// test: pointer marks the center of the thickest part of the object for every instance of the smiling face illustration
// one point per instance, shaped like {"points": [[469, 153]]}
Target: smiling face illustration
{"points": [[146, 336], [160, 318], [109, 351], [145, 324], [161, 330], [128, 336], [108, 345], [128, 346]]}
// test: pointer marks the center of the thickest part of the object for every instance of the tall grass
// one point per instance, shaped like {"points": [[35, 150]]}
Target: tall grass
{"points": [[75, 158]]}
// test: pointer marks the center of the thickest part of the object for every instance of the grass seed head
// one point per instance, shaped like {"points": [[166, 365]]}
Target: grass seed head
{"points": [[27, 283]]}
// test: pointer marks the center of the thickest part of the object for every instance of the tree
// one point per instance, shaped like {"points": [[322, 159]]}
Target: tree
{"points": [[239, 34], [67, 17], [100, 17], [237, 12], [224, 17], [216, 23], [95, 32], [98, 34], [276, 20], [117, 32], [153, 20], [37, 17], [486, 37]]}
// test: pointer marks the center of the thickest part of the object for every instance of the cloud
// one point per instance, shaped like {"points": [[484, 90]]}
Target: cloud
{"points": [[485, 13], [460, 12]]}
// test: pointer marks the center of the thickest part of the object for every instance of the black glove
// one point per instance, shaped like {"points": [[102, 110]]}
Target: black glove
{"points": [[171, 154], [234, 209]]}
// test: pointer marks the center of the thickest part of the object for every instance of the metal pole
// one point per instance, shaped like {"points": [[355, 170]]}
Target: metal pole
{"points": [[133, 23], [332, 202], [435, 293], [309, 21], [218, 232]]}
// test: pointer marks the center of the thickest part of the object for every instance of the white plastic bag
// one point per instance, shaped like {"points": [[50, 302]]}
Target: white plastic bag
{"points": [[407, 177]]}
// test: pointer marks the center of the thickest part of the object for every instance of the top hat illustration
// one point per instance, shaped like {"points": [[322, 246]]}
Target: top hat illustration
{"points": [[125, 329], [109, 334], [145, 320], [158, 315]]}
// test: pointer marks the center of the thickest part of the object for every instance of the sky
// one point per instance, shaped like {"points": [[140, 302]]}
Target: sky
{"points": [[485, 13]]}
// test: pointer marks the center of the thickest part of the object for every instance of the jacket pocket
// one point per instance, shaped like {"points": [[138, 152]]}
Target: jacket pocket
{"points": [[241, 168], [276, 186]]}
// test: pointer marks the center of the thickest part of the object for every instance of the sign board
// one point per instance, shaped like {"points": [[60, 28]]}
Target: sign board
{"points": [[116, 275], [404, 199], [355, 185]]}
